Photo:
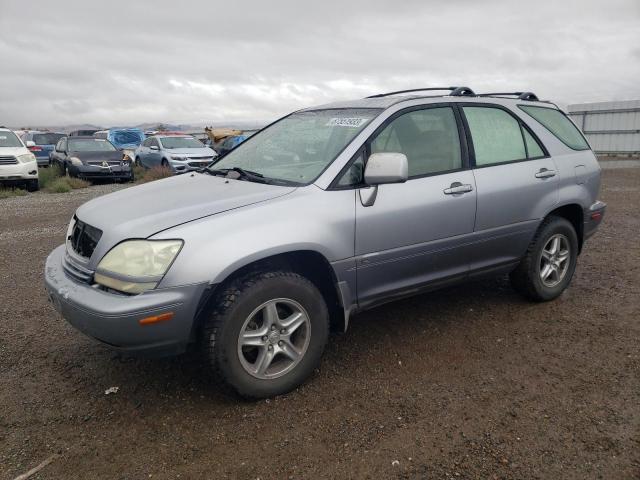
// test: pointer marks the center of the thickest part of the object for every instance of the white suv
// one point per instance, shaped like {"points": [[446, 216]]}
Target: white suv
{"points": [[17, 164]]}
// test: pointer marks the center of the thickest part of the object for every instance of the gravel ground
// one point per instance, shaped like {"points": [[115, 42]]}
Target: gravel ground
{"points": [[470, 382]]}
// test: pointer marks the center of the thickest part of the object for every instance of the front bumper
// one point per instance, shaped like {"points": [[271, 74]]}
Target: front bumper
{"points": [[91, 172], [593, 217], [179, 166], [113, 319], [19, 172]]}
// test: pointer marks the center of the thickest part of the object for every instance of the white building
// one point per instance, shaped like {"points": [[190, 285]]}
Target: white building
{"points": [[612, 128]]}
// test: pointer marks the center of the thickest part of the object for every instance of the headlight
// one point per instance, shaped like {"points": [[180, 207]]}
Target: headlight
{"points": [[176, 157], [26, 158], [135, 266], [75, 161]]}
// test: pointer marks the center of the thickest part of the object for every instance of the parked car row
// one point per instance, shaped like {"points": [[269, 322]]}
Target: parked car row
{"points": [[108, 154]]}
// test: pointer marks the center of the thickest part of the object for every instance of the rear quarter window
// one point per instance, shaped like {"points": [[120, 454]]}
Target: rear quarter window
{"points": [[559, 125]]}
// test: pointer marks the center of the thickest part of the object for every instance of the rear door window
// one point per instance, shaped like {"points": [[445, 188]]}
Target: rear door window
{"points": [[496, 134], [557, 123]]}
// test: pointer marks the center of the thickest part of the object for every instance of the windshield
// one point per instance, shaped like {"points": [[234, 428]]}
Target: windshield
{"points": [[9, 139], [90, 145], [47, 138], [299, 147], [181, 142]]}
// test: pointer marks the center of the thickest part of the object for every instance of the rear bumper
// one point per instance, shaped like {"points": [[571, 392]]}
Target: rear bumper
{"points": [[113, 319], [593, 217]]}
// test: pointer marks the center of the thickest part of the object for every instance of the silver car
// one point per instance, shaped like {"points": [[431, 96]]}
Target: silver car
{"points": [[180, 153], [327, 212]]}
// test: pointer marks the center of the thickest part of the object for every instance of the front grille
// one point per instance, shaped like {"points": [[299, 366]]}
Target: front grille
{"points": [[208, 159], [198, 164], [76, 271], [8, 160], [84, 238], [113, 163]]}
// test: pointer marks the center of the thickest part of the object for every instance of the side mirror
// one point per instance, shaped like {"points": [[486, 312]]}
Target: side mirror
{"points": [[30, 143], [386, 167], [383, 168], [154, 147]]}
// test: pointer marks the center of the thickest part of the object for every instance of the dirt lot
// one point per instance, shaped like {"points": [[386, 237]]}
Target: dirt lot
{"points": [[472, 382]]}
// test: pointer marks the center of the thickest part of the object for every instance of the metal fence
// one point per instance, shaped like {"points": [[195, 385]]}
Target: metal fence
{"points": [[612, 128]]}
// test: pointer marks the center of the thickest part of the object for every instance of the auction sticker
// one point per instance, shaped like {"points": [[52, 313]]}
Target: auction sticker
{"points": [[346, 122]]}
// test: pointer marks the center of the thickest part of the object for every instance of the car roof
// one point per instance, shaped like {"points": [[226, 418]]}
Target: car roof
{"points": [[386, 100]]}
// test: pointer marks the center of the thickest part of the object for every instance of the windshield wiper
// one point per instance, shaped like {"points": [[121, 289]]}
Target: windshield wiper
{"points": [[242, 173]]}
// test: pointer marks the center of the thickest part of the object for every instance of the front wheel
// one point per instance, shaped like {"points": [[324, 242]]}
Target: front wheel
{"points": [[33, 186], [266, 333], [548, 266]]}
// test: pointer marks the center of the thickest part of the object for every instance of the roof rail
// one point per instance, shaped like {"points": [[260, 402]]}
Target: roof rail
{"points": [[530, 96], [455, 91]]}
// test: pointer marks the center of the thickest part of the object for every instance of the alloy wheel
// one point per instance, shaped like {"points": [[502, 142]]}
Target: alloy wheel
{"points": [[274, 338], [554, 260]]}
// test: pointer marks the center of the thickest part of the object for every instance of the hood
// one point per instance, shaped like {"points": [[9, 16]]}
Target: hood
{"points": [[96, 156], [13, 151], [139, 212], [191, 152]]}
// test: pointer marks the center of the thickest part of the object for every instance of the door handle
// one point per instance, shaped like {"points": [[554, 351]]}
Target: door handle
{"points": [[545, 173], [457, 187]]}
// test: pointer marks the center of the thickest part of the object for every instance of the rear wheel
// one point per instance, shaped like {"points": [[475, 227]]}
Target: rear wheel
{"points": [[266, 333], [548, 266]]}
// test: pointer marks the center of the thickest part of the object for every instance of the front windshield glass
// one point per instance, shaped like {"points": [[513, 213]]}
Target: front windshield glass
{"points": [[299, 147], [9, 139], [90, 145], [181, 142]]}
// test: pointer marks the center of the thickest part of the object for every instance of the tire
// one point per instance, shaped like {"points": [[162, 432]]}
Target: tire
{"points": [[242, 307], [539, 261], [164, 163], [33, 186], [136, 162]]}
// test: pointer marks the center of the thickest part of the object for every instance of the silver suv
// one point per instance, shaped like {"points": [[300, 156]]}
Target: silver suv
{"points": [[324, 213]]}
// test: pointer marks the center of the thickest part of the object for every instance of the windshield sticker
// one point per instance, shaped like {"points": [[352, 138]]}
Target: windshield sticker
{"points": [[346, 122]]}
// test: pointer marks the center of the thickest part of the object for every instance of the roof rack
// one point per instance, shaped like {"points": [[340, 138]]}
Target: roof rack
{"points": [[530, 96], [455, 91]]}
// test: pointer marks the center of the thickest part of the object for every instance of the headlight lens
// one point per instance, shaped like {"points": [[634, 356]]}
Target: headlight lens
{"points": [[75, 161], [176, 157], [135, 266], [26, 158]]}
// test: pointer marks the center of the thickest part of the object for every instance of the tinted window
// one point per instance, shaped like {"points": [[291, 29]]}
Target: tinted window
{"points": [[429, 138], [47, 138], [558, 124], [9, 139], [496, 135], [534, 150]]}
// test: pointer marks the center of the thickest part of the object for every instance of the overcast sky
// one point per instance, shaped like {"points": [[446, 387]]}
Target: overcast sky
{"points": [[128, 62]]}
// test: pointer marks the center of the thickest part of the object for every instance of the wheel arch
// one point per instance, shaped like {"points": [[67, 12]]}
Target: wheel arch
{"points": [[310, 264], [574, 214]]}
